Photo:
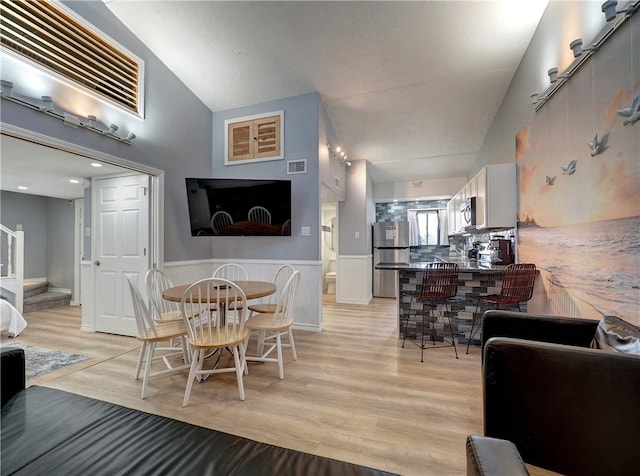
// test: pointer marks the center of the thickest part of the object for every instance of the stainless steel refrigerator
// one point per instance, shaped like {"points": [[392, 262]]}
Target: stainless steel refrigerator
{"points": [[390, 246]]}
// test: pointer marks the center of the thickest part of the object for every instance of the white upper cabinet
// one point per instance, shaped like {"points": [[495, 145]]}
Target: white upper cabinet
{"points": [[494, 188], [496, 196]]}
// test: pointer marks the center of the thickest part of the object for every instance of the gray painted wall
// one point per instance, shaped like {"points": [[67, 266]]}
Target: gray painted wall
{"points": [[175, 135], [48, 225], [562, 22], [60, 243], [357, 212], [301, 117]]}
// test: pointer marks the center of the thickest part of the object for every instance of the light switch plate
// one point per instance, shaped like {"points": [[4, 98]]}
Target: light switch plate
{"points": [[305, 231]]}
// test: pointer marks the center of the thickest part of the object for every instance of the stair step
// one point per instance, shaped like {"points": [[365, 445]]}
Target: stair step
{"points": [[33, 288], [46, 300]]}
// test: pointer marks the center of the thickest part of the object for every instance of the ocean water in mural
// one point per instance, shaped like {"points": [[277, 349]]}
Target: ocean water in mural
{"points": [[598, 262]]}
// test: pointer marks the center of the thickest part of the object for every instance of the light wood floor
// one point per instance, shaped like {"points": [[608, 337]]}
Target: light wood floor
{"points": [[354, 394]]}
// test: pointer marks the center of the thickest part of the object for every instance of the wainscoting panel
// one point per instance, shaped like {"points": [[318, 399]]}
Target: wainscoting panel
{"points": [[354, 279], [308, 303]]}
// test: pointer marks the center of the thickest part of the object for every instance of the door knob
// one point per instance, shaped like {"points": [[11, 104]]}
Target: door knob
{"points": [[97, 262]]}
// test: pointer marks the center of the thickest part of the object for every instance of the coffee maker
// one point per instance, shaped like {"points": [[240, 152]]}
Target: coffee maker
{"points": [[504, 248]]}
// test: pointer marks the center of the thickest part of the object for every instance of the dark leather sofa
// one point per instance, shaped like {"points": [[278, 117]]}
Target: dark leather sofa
{"points": [[48, 431], [565, 407]]}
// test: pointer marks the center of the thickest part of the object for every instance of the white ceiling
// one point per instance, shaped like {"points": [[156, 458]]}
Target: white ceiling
{"points": [[411, 87], [45, 170]]}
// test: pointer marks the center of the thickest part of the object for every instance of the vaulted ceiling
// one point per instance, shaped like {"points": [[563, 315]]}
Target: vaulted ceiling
{"points": [[411, 87]]}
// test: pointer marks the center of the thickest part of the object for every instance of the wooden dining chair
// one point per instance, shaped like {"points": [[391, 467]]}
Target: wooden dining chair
{"points": [[219, 325], [272, 327], [260, 214], [152, 333]]}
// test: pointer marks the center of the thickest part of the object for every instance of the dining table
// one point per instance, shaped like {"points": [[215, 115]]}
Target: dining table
{"points": [[251, 289]]}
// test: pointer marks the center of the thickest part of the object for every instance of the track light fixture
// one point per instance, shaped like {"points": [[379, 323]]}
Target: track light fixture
{"points": [[338, 154], [46, 105], [610, 12], [554, 76], [578, 50], [581, 54]]}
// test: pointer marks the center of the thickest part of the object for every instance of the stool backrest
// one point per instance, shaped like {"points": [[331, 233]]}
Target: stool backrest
{"points": [[440, 281], [518, 282]]}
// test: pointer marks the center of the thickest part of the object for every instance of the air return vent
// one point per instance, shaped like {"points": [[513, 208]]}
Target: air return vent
{"points": [[47, 35], [297, 166]]}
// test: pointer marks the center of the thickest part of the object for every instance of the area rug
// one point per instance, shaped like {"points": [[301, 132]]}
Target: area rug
{"points": [[40, 361]]}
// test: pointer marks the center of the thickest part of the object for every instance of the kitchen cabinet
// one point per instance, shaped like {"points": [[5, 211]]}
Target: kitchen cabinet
{"points": [[454, 215], [496, 196], [494, 188]]}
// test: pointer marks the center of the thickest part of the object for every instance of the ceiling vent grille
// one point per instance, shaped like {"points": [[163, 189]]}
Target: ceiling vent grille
{"points": [[297, 166], [50, 37]]}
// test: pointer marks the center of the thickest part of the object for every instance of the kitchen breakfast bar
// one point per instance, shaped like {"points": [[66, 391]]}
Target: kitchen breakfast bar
{"points": [[473, 279]]}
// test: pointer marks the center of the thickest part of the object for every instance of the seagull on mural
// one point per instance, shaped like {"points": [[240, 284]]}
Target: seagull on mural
{"points": [[550, 180], [569, 168], [632, 112], [595, 146]]}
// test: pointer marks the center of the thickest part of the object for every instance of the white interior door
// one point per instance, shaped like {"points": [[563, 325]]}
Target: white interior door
{"points": [[120, 249]]}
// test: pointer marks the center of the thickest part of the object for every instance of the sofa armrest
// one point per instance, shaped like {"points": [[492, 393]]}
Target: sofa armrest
{"points": [[559, 330], [492, 456], [12, 376], [569, 409]]}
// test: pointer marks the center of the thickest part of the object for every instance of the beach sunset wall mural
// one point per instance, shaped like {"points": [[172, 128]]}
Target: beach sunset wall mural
{"points": [[578, 167]]}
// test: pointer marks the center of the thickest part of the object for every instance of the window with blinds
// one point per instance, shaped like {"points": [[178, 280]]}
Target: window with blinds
{"points": [[47, 35]]}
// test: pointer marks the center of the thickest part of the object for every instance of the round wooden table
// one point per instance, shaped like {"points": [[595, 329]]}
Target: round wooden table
{"points": [[251, 289]]}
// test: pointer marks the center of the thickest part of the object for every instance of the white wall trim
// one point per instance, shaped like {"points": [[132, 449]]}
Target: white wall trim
{"points": [[308, 304], [87, 279], [354, 279]]}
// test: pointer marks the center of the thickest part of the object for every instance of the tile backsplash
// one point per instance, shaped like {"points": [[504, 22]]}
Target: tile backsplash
{"points": [[458, 244]]}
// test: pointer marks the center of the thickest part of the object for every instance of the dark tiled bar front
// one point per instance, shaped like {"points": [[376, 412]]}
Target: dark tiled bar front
{"points": [[472, 280]]}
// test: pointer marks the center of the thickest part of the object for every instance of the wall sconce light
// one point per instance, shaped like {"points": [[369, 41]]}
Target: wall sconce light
{"points": [[46, 105], [610, 12]]}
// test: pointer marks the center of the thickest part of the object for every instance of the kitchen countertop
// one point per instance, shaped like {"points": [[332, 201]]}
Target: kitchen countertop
{"points": [[463, 264]]}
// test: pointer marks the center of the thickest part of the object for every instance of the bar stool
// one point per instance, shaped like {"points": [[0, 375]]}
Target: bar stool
{"points": [[517, 287], [439, 283]]}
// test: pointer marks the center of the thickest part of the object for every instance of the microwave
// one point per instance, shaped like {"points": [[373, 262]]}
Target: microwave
{"points": [[468, 211]]}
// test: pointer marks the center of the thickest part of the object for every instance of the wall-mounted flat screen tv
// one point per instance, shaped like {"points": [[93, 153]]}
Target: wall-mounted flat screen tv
{"points": [[239, 207]]}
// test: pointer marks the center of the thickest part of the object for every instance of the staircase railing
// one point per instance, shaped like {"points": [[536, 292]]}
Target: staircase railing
{"points": [[15, 262]]}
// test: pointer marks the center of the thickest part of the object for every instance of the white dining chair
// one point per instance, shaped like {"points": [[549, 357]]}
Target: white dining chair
{"points": [[220, 220], [280, 278], [221, 308], [232, 272], [272, 327], [260, 214], [151, 333]]}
